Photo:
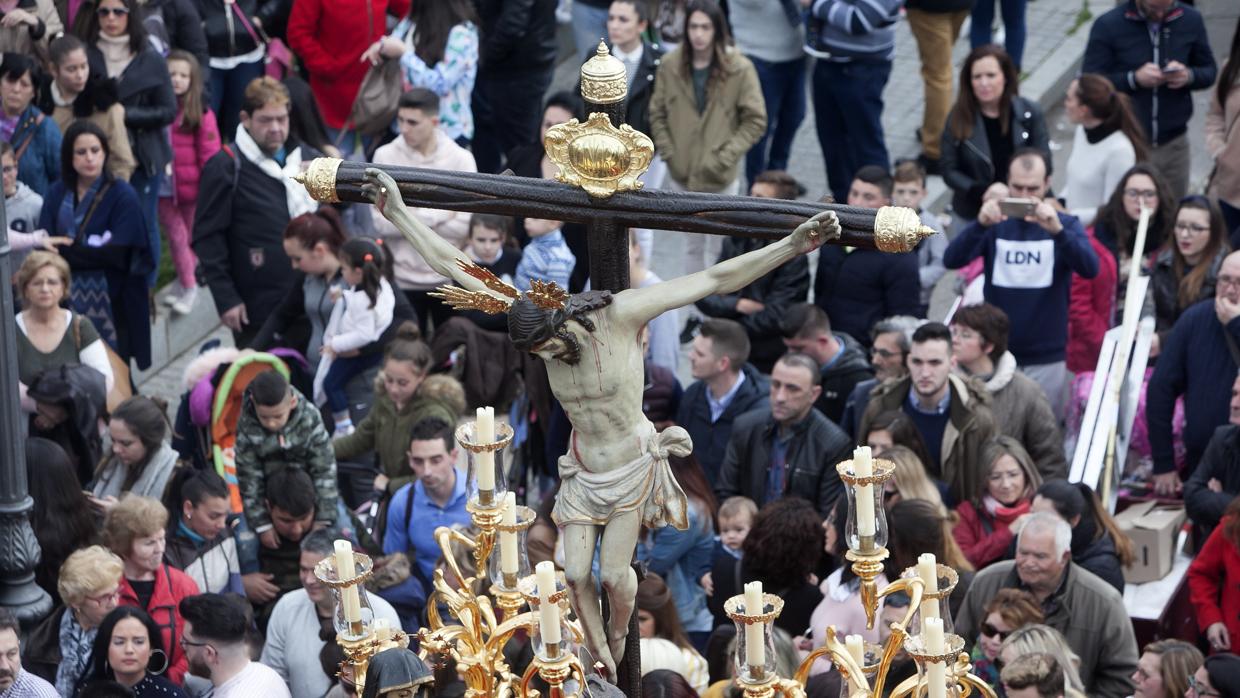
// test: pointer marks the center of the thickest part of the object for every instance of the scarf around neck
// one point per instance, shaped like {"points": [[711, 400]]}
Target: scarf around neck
{"points": [[116, 53], [295, 195], [70, 217]]}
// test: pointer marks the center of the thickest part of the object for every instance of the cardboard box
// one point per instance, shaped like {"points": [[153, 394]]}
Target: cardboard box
{"points": [[1154, 530]]}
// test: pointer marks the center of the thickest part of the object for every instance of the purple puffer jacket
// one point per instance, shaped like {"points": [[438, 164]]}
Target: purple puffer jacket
{"points": [[190, 152]]}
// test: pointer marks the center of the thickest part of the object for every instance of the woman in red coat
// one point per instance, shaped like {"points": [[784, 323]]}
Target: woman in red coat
{"points": [[1091, 309], [1214, 583], [1005, 494], [329, 36], [134, 530]]}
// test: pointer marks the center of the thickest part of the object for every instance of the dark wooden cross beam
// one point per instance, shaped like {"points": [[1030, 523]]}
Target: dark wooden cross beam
{"points": [[607, 219]]}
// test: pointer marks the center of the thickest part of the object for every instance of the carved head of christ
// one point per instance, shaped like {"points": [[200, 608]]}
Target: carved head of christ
{"points": [[540, 330]]}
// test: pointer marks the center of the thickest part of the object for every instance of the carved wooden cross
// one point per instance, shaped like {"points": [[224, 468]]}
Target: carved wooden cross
{"points": [[599, 162]]}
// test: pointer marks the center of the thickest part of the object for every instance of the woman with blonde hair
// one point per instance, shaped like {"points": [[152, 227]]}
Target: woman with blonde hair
{"points": [[910, 481], [1005, 494], [1164, 669], [1043, 638], [49, 335], [59, 648]]}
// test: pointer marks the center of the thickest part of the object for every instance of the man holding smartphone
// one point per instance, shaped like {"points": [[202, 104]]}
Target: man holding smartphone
{"points": [[1156, 51], [1029, 266]]}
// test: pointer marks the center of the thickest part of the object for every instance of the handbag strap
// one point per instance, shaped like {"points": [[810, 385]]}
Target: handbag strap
{"points": [[245, 22], [93, 205]]}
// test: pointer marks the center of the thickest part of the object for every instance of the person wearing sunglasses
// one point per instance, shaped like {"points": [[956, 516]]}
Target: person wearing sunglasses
{"points": [[1218, 677], [58, 648], [117, 47], [1186, 271], [1010, 610]]}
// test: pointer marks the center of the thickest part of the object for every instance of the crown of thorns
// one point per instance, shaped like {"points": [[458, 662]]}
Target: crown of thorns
{"points": [[547, 295]]}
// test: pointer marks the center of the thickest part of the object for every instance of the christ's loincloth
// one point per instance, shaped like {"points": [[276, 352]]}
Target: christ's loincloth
{"points": [[645, 484]]}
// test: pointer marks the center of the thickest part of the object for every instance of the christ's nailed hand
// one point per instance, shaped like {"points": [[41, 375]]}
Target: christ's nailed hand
{"points": [[381, 189], [811, 234]]}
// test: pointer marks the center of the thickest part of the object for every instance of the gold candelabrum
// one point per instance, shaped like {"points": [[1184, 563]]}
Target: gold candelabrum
{"points": [[924, 633], [536, 606]]}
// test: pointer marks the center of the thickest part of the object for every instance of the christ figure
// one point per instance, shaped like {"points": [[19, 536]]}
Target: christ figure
{"points": [[615, 477]]}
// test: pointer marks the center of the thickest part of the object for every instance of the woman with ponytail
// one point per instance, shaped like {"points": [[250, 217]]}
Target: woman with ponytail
{"points": [[1098, 545], [404, 396], [361, 315], [1108, 141], [313, 242]]}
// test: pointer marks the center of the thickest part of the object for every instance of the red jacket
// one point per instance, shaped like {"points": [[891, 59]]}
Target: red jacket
{"points": [[330, 36], [171, 585], [1091, 309], [190, 152], [981, 541], [1214, 583]]}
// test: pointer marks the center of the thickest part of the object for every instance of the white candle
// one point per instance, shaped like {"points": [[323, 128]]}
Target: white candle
{"points": [[508, 539], [856, 649], [928, 570], [484, 433], [548, 611], [864, 467], [383, 629], [345, 570], [755, 649], [936, 672]]}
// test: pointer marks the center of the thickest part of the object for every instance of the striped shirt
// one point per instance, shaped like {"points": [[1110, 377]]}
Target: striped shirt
{"points": [[546, 258]]}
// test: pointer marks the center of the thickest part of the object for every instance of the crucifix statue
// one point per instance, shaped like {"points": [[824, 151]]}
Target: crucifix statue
{"points": [[615, 479]]}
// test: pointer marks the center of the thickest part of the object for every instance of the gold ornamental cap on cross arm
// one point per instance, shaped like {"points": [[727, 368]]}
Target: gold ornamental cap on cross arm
{"points": [[603, 78]]}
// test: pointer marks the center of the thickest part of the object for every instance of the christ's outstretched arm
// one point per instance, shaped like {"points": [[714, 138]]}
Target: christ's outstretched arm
{"points": [[641, 305], [443, 257]]}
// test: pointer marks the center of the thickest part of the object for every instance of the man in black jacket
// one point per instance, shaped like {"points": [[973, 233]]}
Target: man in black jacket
{"points": [[806, 329], [789, 448], [1216, 481], [1157, 51], [516, 63], [245, 200], [760, 305], [725, 388]]}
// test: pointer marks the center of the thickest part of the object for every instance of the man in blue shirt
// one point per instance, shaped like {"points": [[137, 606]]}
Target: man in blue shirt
{"points": [[436, 498], [1029, 267]]}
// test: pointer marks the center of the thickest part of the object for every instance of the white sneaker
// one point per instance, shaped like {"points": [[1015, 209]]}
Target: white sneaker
{"points": [[173, 295], [184, 303]]}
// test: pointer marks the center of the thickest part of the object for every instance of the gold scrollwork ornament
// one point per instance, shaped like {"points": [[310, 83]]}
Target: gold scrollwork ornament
{"points": [[599, 157]]}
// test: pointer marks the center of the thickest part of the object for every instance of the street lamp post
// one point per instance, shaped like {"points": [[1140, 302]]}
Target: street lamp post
{"points": [[19, 549]]}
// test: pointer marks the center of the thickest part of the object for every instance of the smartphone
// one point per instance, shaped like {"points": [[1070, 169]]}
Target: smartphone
{"points": [[1166, 70], [1017, 208]]}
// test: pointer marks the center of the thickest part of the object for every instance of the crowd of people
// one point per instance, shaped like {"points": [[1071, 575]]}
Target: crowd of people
{"points": [[148, 140]]}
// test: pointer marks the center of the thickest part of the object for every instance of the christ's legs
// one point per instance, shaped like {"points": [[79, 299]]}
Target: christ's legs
{"points": [[619, 580], [579, 542]]}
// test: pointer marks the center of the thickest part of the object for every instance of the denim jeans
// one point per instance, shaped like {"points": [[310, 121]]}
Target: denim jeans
{"points": [[848, 111], [783, 90], [1013, 26], [147, 188], [507, 110], [589, 25], [227, 88]]}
